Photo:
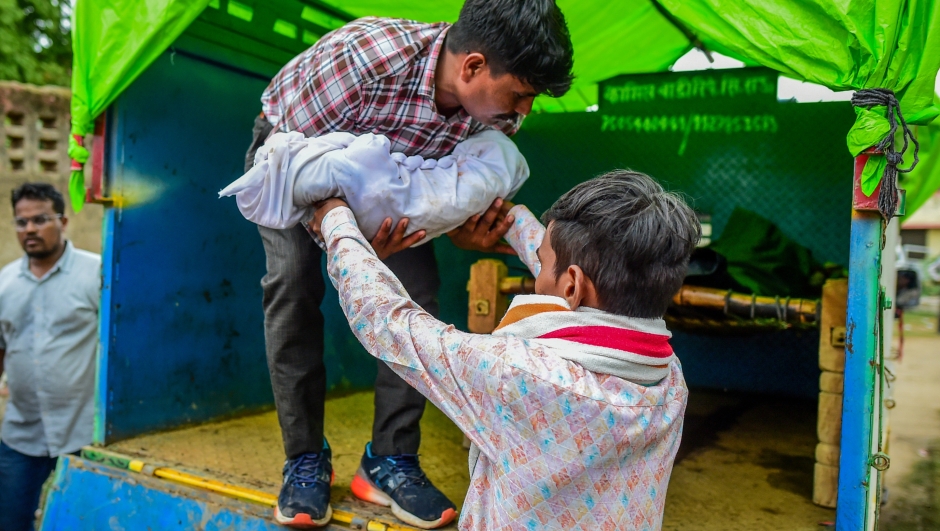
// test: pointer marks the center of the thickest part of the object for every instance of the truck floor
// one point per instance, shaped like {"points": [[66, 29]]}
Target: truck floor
{"points": [[746, 461], [247, 451]]}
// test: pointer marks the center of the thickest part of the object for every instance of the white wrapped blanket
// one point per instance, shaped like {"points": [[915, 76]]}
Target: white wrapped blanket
{"points": [[292, 172]]}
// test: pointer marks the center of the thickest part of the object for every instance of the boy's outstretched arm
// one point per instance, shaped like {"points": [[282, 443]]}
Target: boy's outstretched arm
{"points": [[525, 235], [465, 375]]}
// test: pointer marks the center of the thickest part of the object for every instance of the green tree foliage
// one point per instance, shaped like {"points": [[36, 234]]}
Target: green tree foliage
{"points": [[35, 41]]}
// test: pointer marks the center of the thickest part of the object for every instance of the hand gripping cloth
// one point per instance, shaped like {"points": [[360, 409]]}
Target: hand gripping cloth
{"points": [[292, 172]]}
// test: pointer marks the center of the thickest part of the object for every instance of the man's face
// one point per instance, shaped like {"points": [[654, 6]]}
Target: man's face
{"points": [[494, 100], [38, 227]]}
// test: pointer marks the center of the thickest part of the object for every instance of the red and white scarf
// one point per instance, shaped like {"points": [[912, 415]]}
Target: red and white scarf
{"points": [[634, 349]]}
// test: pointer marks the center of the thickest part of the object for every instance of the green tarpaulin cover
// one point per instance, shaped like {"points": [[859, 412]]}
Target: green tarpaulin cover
{"points": [[921, 183], [112, 43], [893, 44]]}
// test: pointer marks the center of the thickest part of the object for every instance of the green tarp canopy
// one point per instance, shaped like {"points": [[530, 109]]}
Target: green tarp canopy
{"points": [[892, 44]]}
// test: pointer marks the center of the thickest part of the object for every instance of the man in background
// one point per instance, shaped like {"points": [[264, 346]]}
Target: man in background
{"points": [[48, 341]]}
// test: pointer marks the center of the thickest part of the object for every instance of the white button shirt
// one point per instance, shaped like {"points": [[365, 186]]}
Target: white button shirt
{"points": [[49, 329]]}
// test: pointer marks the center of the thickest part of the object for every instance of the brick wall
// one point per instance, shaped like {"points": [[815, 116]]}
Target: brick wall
{"points": [[34, 141]]}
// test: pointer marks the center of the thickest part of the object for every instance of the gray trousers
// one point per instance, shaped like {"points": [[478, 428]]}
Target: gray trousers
{"points": [[293, 333]]}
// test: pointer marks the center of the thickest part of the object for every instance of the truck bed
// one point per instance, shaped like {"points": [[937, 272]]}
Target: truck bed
{"points": [[746, 461]]}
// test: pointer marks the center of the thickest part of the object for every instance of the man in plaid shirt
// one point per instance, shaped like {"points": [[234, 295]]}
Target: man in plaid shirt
{"points": [[426, 87]]}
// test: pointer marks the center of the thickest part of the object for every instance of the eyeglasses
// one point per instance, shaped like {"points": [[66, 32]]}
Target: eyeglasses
{"points": [[39, 221]]}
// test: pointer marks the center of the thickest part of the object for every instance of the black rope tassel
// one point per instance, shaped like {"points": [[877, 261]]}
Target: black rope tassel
{"points": [[868, 98]]}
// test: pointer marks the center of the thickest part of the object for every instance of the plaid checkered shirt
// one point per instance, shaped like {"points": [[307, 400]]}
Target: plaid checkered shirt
{"points": [[373, 75]]}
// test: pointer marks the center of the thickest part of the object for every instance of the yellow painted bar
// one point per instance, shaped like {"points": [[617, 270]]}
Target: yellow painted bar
{"points": [[264, 498], [216, 486]]}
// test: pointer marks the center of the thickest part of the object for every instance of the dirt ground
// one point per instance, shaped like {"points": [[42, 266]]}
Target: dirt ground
{"points": [[913, 481]]}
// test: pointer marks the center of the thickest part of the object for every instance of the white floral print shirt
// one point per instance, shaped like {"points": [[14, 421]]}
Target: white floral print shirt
{"points": [[561, 447]]}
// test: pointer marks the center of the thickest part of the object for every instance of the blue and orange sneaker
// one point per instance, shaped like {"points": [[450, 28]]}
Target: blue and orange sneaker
{"points": [[304, 501], [397, 481]]}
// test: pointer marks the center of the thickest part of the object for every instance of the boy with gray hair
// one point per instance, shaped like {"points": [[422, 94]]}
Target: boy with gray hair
{"points": [[575, 404]]}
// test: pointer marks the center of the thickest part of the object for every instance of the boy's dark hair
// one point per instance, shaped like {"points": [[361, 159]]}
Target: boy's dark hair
{"points": [[629, 236], [39, 192], [526, 38]]}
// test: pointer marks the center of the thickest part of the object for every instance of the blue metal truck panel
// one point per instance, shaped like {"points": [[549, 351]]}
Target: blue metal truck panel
{"points": [[89, 496], [181, 320]]}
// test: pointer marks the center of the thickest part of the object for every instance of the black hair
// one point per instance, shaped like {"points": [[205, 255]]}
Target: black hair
{"points": [[39, 192], [527, 38], [631, 238]]}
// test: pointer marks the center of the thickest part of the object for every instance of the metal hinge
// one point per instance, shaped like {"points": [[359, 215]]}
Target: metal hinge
{"points": [[837, 336]]}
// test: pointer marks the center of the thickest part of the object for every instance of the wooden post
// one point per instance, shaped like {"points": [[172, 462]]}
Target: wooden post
{"points": [[487, 302], [831, 382]]}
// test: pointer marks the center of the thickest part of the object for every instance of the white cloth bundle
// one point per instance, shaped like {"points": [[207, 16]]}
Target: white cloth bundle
{"points": [[292, 172]]}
